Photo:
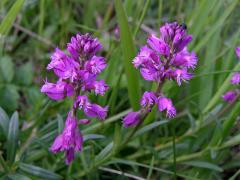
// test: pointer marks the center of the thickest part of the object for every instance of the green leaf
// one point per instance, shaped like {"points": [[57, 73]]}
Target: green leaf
{"points": [[103, 154], [10, 17], [12, 139], [24, 74], [4, 121], [60, 123], [6, 68], [117, 137], [150, 127], [34, 96], [203, 164], [144, 12], [9, 97], [200, 17], [132, 163], [107, 121], [235, 140], [38, 171], [18, 176], [92, 136], [207, 91], [217, 97], [235, 175], [216, 26], [229, 123], [128, 49]]}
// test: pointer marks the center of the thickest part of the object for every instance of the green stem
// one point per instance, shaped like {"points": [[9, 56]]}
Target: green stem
{"points": [[180, 138], [174, 153], [132, 134]]}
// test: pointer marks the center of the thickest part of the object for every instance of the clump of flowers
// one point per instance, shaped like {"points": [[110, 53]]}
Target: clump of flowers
{"points": [[163, 58], [77, 72], [232, 95]]}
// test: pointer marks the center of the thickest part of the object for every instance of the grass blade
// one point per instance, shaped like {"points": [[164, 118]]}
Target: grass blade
{"points": [[12, 139], [203, 164], [216, 26], [128, 49], [4, 121], [142, 17], [222, 89], [10, 17], [39, 172]]}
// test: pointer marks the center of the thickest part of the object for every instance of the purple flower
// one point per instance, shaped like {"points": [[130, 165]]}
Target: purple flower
{"points": [[238, 51], [63, 66], [232, 95], [94, 110], [77, 73], [167, 57], [148, 100], [163, 58], [175, 34], [147, 74], [100, 87], [57, 144], [145, 56], [235, 78], [95, 65], [57, 91], [158, 45], [132, 119], [84, 121], [86, 80], [229, 96], [91, 110], [71, 136], [70, 140], [81, 102], [181, 75], [69, 154], [82, 46], [185, 59], [166, 104]]}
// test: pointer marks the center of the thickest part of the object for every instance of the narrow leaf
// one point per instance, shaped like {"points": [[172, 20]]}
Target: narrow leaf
{"points": [[217, 97], [38, 171], [10, 17], [203, 164], [12, 139], [4, 121], [150, 127], [128, 49], [18, 176], [104, 152], [92, 136], [60, 123]]}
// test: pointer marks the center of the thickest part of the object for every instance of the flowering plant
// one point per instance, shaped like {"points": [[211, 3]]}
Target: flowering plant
{"points": [[162, 59], [232, 95], [77, 71]]}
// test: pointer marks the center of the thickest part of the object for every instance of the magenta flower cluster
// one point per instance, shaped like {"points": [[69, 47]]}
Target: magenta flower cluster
{"points": [[77, 72], [163, 58], [232, 95]]}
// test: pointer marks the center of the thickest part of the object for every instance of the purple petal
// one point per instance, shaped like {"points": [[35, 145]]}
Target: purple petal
{"points": [[235, 78], [132, 119], [238, 52]]}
